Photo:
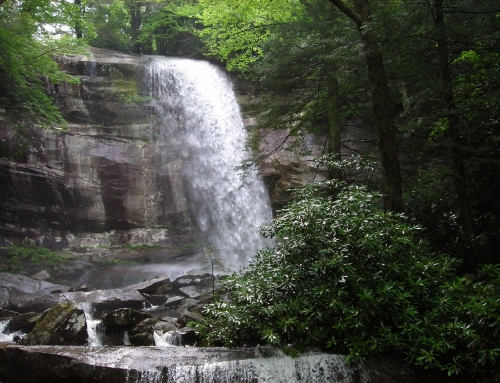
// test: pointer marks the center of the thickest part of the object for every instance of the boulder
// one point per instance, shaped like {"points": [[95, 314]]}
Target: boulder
{"points": [[4, 296], [151, 286], [174, 302], [188, 280], [165, 288], [7, 314], [189, 311], [124, 318], [41, 276], [165, 325], [147, 325], [63, 324], [142, 339], [163, 312], [24, 322], [37, 304], [22, 285], [108, 300]]}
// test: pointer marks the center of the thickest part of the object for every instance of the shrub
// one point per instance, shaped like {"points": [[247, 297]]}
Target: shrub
{"points": [[348, 276]]}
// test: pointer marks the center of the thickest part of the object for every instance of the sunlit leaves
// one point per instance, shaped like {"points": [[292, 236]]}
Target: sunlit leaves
{"points": [[27, 50], [235, 30]]}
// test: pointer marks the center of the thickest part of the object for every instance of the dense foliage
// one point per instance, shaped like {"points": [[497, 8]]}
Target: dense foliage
{"points": [[27, 49], [347, 276]]}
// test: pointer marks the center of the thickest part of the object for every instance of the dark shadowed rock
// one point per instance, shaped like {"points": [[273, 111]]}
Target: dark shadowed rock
{"points": [[63, 324], [24, 322], [155, 300], [7, 314], [165, 288], [124, 317], [189, 336], [174, 302], [147, 325], [142, 339]]}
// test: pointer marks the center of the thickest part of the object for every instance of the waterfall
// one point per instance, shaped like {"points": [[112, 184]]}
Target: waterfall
{"points": [[167, 339], [202, 136], [311, 368], [94, 332], [10, 336]]}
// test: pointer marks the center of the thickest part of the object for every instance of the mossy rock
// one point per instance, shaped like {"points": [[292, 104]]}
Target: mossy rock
{"points": [[63, 324]]}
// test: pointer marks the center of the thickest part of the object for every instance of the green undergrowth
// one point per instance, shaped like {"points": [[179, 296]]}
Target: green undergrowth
{"points": [[18, 258], [351, 278]]}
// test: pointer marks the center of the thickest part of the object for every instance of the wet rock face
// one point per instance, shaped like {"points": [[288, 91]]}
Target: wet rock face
{"points": [[124, 318], [101, 175], [63, 324]]}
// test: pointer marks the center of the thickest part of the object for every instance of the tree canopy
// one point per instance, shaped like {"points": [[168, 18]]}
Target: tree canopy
{"points": [[31, 34]]}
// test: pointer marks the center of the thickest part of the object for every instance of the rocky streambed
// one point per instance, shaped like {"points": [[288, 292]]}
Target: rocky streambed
{"points": [[140, 333]]}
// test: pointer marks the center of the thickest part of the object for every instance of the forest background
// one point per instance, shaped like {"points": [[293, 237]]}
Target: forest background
{"points": [[401, 258]]}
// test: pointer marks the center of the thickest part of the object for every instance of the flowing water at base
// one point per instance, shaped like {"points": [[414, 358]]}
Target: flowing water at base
{"points": [[312, 368]]}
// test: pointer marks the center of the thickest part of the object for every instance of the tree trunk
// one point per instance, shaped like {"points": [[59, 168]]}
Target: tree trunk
{"points": [[465, 214], [134, 8], [333, 117], [78, 25], [385, 129]]}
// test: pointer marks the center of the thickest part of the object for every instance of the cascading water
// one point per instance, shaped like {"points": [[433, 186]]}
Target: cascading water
{"points": [[311, 368], [93, 325], [6, 338], [167, 339], [197, 111]]}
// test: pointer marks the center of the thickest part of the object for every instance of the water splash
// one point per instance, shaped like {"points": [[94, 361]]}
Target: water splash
{"points": [[8, 338], [94, 330], [167, 339], [202, 135], [311, 368]]}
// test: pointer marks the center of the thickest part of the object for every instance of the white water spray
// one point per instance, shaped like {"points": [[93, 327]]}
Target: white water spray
{"points": [[167, 339], [198, 112], [93, 325], [7, 338]]}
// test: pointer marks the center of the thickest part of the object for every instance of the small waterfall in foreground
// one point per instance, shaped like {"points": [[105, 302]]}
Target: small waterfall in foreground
{"points": [[167, 339], [201, 134], [312, 368], [7, 338], [93, 325]]}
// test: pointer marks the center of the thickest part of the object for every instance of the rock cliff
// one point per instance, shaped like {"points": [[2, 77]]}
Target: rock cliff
{"points": [[99, 183], [107, 182]]}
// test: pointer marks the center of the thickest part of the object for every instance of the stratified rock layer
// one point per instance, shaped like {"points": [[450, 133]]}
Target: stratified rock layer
{"points": [[99, 184]]}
